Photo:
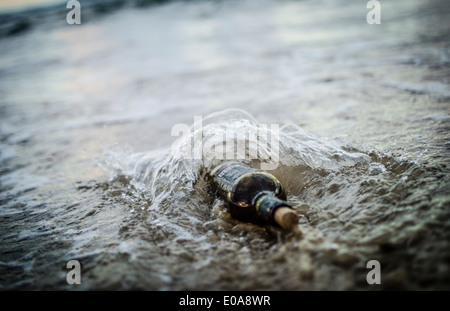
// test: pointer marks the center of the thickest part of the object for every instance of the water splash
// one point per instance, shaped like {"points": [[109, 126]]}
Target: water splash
{"points": [[173, 172]]}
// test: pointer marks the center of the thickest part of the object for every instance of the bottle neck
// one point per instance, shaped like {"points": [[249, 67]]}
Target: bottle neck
{"points": [[266, 204]]}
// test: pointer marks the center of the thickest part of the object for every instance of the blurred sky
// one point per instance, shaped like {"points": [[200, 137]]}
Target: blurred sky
{"points": [[15, 5]]}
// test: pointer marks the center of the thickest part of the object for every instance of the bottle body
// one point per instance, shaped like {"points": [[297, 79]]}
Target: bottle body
{"points": [[251, 195]]}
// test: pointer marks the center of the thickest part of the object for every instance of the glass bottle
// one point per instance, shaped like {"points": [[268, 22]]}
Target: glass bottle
{"points": [[252, 195]]}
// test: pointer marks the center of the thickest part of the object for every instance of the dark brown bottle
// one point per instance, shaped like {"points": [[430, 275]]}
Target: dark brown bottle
{"points": [[252, 195]]}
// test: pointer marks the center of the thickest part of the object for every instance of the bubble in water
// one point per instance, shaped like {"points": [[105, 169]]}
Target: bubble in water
{"points": [[376, 168]]}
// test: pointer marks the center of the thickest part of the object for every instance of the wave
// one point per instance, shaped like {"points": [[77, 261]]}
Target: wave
{"points": [[18, 21]]}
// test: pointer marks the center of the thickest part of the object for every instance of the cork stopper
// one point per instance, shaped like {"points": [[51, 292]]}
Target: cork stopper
{"points": [[286, 217]]}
